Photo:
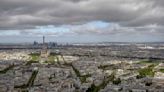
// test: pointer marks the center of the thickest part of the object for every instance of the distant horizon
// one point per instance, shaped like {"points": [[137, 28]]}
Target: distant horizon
{"points": [[3, 43]]}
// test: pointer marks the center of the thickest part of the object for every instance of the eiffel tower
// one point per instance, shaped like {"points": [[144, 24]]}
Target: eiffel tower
{"points": [[44, 51]]}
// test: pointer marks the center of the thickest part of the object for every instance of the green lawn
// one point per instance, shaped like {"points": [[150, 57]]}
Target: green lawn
{"points": [[147, 71], [148, 62], [51, 58], [30, 62], [34, 56], [161, 70]]}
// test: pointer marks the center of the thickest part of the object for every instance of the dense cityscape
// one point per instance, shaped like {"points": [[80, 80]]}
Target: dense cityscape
{"points": [[107, 67]]}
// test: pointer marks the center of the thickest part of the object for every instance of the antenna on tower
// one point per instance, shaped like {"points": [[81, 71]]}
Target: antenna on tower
{"points": [[43, 39]]}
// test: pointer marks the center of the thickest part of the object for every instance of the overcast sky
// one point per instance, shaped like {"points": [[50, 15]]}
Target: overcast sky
{"points": [[82, 20]]}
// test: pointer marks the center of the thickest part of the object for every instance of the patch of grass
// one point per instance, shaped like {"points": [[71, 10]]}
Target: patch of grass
{"points": [[31, 61], [34, 56], [148, 62], [161, 70], [51, 58], [147, 71]]}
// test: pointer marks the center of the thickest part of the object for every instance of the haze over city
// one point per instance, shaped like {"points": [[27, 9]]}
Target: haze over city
{"points": [[81, 20]]}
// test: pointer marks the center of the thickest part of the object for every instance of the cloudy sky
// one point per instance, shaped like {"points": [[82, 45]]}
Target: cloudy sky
{"points": [[82, 20]]}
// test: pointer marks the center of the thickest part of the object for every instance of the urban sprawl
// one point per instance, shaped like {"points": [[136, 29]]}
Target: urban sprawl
{"points": [[104, 67]]}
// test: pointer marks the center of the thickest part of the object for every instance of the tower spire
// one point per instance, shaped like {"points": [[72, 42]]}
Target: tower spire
{"points": [[43, 39]]}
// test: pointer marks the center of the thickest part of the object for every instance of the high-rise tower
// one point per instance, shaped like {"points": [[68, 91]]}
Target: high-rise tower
{"points": [[44, 51], [44, 46]]}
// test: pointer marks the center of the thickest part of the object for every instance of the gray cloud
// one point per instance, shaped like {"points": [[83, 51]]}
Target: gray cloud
{"points": [[30, 13], [115, 29], [127, 16]]}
